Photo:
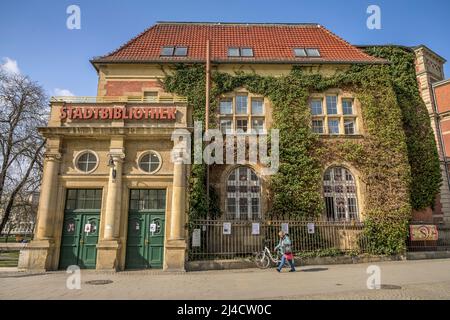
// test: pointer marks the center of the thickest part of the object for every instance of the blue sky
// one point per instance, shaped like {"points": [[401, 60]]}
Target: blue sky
{"points": [[34, 36]]}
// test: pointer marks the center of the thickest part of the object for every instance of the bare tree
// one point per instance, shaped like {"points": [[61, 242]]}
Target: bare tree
{"points": [[23, 108]]}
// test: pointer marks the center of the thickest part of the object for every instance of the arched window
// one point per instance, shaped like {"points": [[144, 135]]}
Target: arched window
{"points": [[339, 189], [243, 195]]}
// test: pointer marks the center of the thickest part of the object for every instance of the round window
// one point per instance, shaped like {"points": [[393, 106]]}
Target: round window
{"points": [[150, 162], [86, 162]]}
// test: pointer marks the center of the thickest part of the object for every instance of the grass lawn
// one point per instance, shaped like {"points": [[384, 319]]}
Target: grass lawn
{"points": [[9, 259]]}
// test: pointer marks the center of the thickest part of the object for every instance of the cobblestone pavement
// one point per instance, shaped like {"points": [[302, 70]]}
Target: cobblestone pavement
{"points": [[424, 279]]}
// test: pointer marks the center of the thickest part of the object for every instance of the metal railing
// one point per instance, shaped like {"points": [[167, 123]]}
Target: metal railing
{"points": [[441, 244], [208, 239], [126, 99]]}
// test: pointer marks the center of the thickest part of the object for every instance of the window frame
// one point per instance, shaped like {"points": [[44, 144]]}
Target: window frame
{"points": [[339, 115], [233, 199], [144, 153], [79, 155], [329, 187], [249, 115]]}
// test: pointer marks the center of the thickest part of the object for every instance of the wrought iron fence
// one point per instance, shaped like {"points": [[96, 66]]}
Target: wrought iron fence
{"points": [[428, 237], [220, 239]]}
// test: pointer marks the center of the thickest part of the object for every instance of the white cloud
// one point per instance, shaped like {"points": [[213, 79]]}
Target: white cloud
{"points": [[62, 92], [10, 66]]}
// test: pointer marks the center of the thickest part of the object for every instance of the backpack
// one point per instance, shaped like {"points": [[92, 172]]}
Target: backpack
{"points": [[287, 246]]}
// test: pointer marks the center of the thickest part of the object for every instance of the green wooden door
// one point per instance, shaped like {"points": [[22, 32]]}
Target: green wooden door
{"points": [[146, 221], [80, 228]]}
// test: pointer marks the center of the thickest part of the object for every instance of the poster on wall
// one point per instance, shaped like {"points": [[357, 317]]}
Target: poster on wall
{"points": [[285, 227], [255, 228], [227, 228], [311, 228], [196, 238]]}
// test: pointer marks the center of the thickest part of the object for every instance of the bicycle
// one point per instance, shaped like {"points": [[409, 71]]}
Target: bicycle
{"points": [[264, 257]]}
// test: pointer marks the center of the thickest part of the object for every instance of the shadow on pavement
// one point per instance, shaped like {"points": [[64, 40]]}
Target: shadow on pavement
{"points": [[314, 269]]}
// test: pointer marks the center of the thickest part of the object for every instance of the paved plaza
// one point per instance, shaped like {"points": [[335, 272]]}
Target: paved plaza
{"points": [[423, 279]]}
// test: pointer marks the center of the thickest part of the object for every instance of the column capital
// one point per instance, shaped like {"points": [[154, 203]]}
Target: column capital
{"points": [[52, 156]]}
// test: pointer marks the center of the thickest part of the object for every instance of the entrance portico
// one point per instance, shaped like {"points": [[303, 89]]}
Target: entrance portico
{"points": [[116, 157]]}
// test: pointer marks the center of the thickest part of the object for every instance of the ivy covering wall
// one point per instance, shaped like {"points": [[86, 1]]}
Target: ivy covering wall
{"points": [[399, 168]]}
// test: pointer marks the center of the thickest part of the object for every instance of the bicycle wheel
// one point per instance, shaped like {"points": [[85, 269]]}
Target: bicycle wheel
{"points": [[262, 261]]}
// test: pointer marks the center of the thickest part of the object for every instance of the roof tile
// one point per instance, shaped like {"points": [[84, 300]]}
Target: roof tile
{"points": [[270, 43]]}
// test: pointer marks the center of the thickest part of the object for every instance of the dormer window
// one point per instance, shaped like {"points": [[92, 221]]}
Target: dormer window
{"points": [[240, 52], [312, 52], [306, 52], [300, 52], [180, 51], [177, 51], [246, 52]]}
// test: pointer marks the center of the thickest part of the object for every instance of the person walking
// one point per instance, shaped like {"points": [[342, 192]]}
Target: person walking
{"points": [[286, 250]]}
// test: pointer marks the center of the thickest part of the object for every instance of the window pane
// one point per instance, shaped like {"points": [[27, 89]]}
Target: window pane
{"points": [[300, 52], [226, 126], [233, 52], [241, 104], [226, 106], [241, 124], [231, 205], [71, 205], [316, 107], [149, 162], [257, 106], [167, 51], [181, 51], [243, 206], [83, 199], [258, 125], [86, 162], [312, 52], [150, 96], [317, 126], [71, 194], [349, 126], [246, 52], [331, 104], [333, 126], [347, 106]]}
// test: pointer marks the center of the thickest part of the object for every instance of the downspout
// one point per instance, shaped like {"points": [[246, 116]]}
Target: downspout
{"points": [[207, 93]]}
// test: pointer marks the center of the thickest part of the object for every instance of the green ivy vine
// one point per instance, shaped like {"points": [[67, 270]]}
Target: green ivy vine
{"points": [[399, 168]]}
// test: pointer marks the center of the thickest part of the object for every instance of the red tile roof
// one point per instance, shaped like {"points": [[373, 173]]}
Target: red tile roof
{"points": [[270, 43]]}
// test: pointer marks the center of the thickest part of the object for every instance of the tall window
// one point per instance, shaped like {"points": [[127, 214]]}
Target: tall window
{"points": [[339, 190], [242, 113], [332, 114], [243, 195]]}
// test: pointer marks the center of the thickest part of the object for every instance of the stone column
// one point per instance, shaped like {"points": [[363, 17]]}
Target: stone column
{"points": [[175, 249], [48, 193], [40, 252], [178, 202], [109, 245], [114, 198]]}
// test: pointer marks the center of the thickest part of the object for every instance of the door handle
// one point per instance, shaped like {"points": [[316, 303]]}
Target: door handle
{"points": [[81, 241], [147, 242]]}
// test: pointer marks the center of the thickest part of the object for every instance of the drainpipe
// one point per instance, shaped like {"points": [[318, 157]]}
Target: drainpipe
{"points": [[207, 93]]}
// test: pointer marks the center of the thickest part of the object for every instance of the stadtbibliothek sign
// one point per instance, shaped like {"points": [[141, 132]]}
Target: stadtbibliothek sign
{"points": [[118, 113]]}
